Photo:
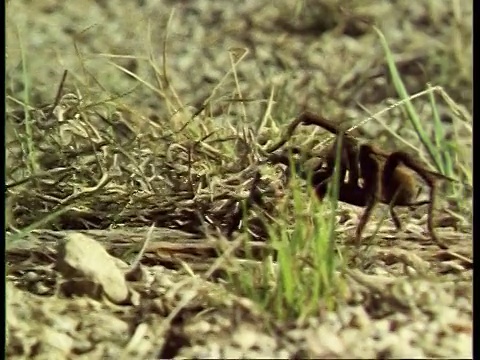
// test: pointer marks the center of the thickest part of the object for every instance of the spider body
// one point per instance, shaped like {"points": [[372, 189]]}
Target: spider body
{"points": [[374, 175], [371, 180], [396, 186]]}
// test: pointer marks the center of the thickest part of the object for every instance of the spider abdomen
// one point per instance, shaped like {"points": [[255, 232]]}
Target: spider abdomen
{"points": [[401, 187]]}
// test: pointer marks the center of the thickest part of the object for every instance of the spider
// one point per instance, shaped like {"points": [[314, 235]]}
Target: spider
{"points": [[374, 176]]}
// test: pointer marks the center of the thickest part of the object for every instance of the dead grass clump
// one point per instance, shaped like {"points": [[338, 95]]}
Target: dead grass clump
{"points": [[103, 166]]}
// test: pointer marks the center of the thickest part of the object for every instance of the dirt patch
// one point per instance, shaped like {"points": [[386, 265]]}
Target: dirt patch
{"points": [[174, 314]]}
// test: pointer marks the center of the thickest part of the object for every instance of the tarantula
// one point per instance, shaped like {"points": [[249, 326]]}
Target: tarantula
{"points": [[374, 175]]}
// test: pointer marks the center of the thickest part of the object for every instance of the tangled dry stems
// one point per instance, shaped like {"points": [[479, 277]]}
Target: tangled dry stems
{"points": [[172, 173]]}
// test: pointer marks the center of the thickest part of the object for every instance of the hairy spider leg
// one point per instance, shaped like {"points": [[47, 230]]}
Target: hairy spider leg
{"points": [[395, 200], [398, 157], [370, 173]]}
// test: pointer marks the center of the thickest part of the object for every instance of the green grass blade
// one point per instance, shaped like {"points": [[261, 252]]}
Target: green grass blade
{"points": [[412, 113]]}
